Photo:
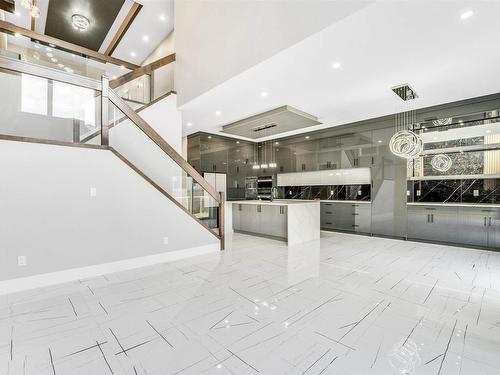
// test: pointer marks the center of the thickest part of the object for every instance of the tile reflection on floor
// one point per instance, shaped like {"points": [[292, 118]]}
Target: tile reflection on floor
{"points": [[343, 305]]}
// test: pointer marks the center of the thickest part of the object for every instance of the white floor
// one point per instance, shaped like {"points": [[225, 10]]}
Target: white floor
{"points": [[342, 305]]}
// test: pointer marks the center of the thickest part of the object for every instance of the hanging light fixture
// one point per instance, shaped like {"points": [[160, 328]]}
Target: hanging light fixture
{"points": [[441, 162], [405, 142], [79, 22], [256, 157]]}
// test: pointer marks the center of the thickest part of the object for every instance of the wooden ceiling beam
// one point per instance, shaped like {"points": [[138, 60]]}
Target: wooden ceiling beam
{"points": [[11, 28], [132, 13], [146, 69]]}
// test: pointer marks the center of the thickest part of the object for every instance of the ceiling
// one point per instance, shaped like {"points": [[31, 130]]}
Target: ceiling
{"points": [[151, 26], [100, 13], [344, 73], [271, 123]]}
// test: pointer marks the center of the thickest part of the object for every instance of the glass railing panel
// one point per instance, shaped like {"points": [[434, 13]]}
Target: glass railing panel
{"points": [[136, 92], [41, 108], [163, 80], [144, 89], [135, 146], [50, 56]]}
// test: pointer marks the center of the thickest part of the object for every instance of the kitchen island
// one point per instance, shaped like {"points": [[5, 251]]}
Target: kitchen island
{"points": [[293, 221]]}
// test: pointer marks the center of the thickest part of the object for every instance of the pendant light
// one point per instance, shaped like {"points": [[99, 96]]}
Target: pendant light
{"points": [[405, 142]]}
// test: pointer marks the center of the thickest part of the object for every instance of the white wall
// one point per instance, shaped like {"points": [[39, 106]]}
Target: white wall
{"points": [[165, 48], [164, 117], [48, 215], [216, 40]]}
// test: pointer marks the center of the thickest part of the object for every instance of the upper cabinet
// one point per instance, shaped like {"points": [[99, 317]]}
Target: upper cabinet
{"points": [[348, 176]]}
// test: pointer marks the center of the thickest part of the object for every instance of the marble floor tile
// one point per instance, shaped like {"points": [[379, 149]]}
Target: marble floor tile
{"points": [[342, 305]]}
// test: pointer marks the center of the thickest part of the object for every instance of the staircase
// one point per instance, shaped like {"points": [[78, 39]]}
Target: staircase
{"points": [[108, 118]]}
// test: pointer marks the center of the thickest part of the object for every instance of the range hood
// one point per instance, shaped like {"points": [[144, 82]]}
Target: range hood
{"points": [[276, 121]]}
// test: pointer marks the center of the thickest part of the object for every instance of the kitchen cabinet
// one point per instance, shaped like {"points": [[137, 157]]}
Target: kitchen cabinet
{"points": [[268, 220], [458, 224], [346, 216], [433, 223]]}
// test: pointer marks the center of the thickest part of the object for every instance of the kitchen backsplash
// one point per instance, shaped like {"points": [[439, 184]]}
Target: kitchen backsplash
{"points": [[485, 191], [326, 192]]}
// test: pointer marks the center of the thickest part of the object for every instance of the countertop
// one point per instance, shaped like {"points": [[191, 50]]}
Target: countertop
{"points": [[472, 205], [276, 202]]}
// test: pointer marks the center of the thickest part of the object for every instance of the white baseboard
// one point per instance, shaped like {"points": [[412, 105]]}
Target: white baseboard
{"points": [[59, 277]]}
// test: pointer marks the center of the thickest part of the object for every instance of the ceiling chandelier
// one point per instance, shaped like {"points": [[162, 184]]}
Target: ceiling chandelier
{"points": [[405, 142], [441, 162], [79, 22], [31, 6]]}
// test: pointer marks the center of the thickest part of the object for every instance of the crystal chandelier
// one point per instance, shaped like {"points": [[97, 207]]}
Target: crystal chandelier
{"points": [[441, 162], [405, 142]]}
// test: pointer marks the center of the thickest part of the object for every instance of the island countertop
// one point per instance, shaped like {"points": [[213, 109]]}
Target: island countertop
{"points": [[294, 221]]}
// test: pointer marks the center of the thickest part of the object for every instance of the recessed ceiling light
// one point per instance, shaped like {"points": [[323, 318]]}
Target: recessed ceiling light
{"points": [[379, 141], [49, 54], [336, 65], [68, 69], [263, 94], [114, 77], [218, 113], [132, 54], [79, 22], [122, 67], [54, 60], [189, 124], [467, 14], [276, 143], [52, 45], [307, 137], [60, 65], [145, 38], [209, 137], [488, 131], [238, 142], [162, 17]]}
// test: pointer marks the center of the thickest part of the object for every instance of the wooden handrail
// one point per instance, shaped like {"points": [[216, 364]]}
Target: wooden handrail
{"points": [[10, 27], [164, 146], [146, 69]]}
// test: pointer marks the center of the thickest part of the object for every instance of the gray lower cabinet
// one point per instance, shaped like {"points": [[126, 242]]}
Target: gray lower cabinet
{"points": [[476, 226], [346, 216], [433, 223], [269, 220]]}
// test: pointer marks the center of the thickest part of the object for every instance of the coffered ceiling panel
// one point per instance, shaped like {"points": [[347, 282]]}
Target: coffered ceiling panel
{"points": [[101, 14]]}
